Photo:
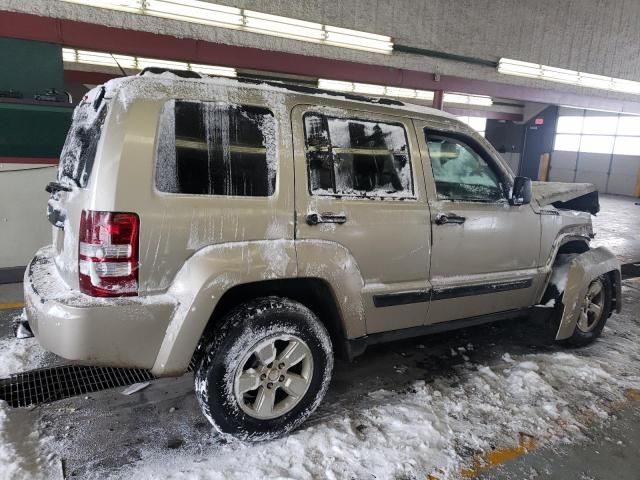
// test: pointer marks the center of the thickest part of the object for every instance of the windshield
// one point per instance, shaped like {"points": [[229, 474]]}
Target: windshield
{"points": [[79, 150]]}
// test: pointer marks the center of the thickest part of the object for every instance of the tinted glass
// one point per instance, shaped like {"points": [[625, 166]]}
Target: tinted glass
{"points": [[211, 148], [79, 150], [357, 157], [460, 173]]}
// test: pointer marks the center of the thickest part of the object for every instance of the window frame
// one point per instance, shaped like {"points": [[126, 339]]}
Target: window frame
{"points": [[504, 178], [276, 134], [358, 117]]}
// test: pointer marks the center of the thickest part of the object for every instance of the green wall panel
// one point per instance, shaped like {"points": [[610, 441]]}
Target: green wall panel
{"points": [[28, 130], [33, 130], [30, 67]]}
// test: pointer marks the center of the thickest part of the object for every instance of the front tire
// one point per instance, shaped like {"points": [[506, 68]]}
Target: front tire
{"points": [[594, 311], [266, 369]]}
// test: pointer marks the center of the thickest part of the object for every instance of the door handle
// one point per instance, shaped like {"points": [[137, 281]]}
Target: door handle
{"points": [[445, 218], [326, 217]]}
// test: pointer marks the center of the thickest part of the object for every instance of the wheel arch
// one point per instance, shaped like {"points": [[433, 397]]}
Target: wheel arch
{"points": [[312, 292], [565, 244]]}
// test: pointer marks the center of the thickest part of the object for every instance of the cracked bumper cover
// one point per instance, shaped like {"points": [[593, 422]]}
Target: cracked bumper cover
{"points": [[118, 332], [585, 268]]}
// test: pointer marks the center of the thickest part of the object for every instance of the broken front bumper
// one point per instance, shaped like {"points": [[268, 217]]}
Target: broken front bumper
{"points": [[119, 332], [585, 268]]}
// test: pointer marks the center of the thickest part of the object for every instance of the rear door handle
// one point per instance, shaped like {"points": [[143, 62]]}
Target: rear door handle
{"points": [[326, 217], [445, 218]]}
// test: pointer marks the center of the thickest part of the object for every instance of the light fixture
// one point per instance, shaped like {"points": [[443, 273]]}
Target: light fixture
{"points": [[189, 11], [283, 26], [382, 91], [464, 99], [206, 13], [509, 66], [371, 89], [72, 55]]}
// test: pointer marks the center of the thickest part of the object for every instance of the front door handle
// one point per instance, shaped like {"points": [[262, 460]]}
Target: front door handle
{"points": [[445, 218], [326, 217]]}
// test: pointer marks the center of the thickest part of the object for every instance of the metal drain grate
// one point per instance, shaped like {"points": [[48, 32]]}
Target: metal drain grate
{"points": [[50, 384]]}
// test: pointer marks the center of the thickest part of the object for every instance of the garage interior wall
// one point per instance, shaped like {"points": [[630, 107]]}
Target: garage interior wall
{"points": [[31, 138], [597, 147]]}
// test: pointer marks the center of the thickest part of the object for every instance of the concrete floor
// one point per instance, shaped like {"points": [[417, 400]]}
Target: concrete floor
{"points": [[121, 427]]}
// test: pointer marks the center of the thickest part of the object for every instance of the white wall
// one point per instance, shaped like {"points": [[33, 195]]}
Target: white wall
{"points": [[24, 227]]}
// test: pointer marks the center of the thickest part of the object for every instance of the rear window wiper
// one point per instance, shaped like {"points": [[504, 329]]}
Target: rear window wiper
{"points": [[54, 187]]}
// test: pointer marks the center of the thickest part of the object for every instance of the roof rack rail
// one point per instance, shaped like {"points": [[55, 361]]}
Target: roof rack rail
{"points": [[179, 73]]}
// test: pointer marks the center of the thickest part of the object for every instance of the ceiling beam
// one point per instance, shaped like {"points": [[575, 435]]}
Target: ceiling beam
{"points": [[133, 42]]}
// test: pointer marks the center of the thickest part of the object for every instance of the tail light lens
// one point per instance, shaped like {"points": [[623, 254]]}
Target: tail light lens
{"points": [[108, 253]]}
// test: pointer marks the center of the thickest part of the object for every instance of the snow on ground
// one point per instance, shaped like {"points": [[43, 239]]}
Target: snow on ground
{"points": [[17, 356], [429, 428], [432, 426], [20, 355], [438, 402]]}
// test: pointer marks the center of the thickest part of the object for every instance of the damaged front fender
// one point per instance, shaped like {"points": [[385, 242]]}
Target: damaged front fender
{"points": [[585, 268]]}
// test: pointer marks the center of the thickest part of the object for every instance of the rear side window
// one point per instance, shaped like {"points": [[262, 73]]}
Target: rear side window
{"points": [[357, 157], [207, 148], [461, 173], [79, 150]]}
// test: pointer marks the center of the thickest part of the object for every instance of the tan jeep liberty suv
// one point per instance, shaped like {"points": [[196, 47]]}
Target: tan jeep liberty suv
{"points": [[257, 229]]}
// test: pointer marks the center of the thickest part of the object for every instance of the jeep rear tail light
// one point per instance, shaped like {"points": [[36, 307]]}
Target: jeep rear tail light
{"points": [[108, 253]]}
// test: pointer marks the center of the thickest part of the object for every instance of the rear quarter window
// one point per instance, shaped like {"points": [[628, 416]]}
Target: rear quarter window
{"points": [[79, 150], [212, 148]]}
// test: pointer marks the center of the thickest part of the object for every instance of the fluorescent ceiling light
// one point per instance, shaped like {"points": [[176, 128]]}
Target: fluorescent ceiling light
{"points": [[479, 100], [206, 13], [151, 62], [509, 66], [283, 26], [382, 91], [190, 11], [213, 70], [72, 55], [371, 89]]}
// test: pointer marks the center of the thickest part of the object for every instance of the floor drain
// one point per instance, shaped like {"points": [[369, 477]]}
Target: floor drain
{"points": [[50, 384]]}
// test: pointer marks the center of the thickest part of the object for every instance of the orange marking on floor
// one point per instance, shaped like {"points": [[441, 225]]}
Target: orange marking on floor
{"points": [[487, 461], [632, 394], [6, 306]]}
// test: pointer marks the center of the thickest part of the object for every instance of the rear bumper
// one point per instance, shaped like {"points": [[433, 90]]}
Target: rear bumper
{"points": [[119, 332]]}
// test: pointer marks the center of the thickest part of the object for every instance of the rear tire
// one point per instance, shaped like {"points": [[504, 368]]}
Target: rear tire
{"points": [[266, 369]]}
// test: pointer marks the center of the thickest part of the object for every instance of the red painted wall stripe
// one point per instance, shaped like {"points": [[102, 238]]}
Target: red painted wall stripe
{"points": [[29, 160], [119, 40]]}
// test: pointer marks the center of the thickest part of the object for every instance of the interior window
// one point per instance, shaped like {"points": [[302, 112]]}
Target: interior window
{"points": [[357, 157], [460, 173], [211, 148]]}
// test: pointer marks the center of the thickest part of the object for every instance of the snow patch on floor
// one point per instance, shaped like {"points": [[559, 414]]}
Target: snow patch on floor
{"points": [[19, 355], [429, 427]]}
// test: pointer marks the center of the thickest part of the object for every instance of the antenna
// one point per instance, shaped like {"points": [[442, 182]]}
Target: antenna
{"points": [[124, 74]]}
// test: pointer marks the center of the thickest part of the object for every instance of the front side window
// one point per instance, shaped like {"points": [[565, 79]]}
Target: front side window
{"points": [[357, 157], [207, 148], [460, 173]]}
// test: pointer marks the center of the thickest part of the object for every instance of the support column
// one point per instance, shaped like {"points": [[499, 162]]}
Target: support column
{"points": [[438, 100]]}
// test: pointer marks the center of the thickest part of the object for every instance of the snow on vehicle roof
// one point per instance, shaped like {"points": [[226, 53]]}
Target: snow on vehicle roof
{"points": [[160, 85]]}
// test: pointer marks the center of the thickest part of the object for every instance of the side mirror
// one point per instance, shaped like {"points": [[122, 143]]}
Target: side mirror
{"points": [[521, 194]]}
